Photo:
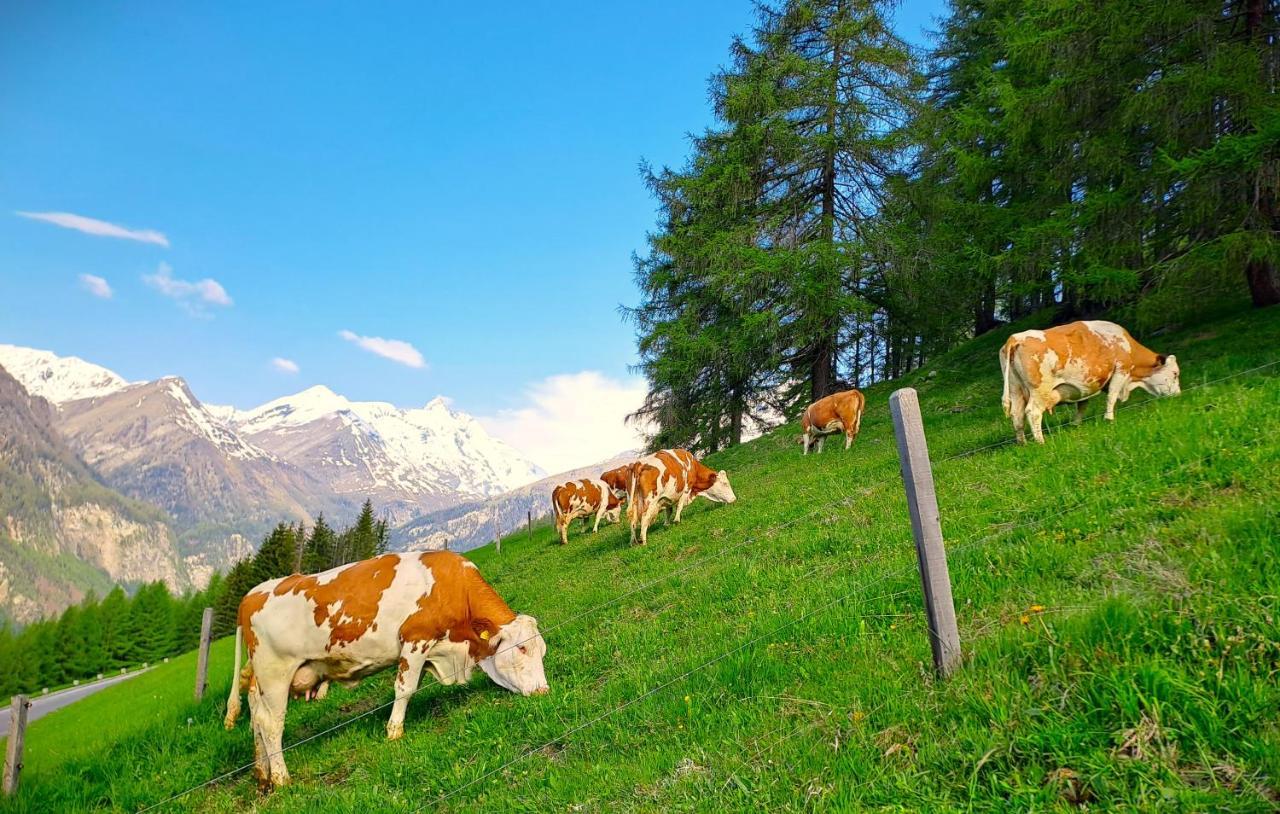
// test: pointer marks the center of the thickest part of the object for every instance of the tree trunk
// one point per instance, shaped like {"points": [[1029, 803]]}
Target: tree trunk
{"points": [[822, 366]]}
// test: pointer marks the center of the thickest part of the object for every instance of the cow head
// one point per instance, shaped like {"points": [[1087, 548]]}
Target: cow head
{"points": [[720, 491], [516, 663], [615, 514], [1163, 381]]}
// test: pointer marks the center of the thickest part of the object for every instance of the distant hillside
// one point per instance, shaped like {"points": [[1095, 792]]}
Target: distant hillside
{"points": [[472, 524], [61, 531]]}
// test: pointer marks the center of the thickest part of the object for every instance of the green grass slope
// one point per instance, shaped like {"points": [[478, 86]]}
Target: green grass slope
{"points": [[1116, 592]]}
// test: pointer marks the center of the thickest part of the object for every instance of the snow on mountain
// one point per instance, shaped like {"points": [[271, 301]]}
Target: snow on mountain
{"points": [[58, 379], [197, 419], [381, 450], [325, 450]]}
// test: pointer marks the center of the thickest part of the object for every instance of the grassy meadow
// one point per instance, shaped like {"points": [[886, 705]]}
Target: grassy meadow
{"points": [[1116, 589]]}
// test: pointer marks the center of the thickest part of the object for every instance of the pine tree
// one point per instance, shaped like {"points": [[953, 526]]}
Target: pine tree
{"points": [[321, 550], [362, 538], [276, 556]]}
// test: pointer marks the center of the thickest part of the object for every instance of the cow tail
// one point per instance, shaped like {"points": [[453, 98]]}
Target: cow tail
{"points": [[1006, 398], [233, 700]]}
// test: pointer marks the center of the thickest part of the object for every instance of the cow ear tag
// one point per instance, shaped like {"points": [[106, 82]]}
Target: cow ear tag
{"points": [[484, 634]]}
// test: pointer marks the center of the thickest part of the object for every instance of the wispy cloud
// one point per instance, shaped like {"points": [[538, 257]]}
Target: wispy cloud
{"points": [[572, 419], [96, 286], [397, 350], [284, 365], [101, 228], [193, 296]]}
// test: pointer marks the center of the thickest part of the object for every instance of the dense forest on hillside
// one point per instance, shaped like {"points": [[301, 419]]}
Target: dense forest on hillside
{"points": [[118, 630], [861, 207]]}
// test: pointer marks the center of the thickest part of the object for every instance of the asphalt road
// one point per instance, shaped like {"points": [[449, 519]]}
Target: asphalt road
{"points": [[42, 705]]}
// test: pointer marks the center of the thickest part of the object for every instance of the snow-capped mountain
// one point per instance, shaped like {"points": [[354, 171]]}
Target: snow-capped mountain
{"points": [[58, 379], [408, 460]]}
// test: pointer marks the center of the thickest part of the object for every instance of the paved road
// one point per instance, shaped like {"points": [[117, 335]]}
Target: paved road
{"points": [[42, 705]]}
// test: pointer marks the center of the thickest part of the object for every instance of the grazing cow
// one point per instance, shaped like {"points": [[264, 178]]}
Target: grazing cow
{"points": [[838, 412], [670, 479], [618, 479], [1073, 363], [430, 610], [585, 498]]}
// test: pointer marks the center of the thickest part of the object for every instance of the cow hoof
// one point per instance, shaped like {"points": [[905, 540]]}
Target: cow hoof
{"points": [[395, 732]]}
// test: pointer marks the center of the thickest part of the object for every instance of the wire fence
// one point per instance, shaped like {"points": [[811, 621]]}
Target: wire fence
{"points": [[824, 505]]}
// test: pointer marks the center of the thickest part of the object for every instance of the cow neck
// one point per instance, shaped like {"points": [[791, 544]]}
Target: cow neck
{"points": [[1143, 360], [487, 611]]}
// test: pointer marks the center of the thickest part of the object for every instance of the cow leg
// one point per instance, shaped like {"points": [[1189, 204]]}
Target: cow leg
{"points": [[261, 766], [821, 438], [635, 510], [848, 439], [650, 514], [562, 529], [807, 439], [407, 679], [1081, 406], [1115, 392], [1035, 419], [272, 681], [1018, 412], [600, 512]]}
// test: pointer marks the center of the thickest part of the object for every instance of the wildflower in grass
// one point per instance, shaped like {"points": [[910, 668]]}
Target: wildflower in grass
{"points": [[1026, 620], [1037, 608]]}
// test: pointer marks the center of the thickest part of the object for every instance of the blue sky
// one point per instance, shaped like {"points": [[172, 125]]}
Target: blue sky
{"points": [[458, 178]]}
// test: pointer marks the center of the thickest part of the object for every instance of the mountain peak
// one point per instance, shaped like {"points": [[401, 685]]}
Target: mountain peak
{"points": [[58, 379]]}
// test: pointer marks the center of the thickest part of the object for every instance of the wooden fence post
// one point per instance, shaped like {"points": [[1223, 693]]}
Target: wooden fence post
{"points": [[926, 527], [531, 525], [202, 660], [17, 733]]}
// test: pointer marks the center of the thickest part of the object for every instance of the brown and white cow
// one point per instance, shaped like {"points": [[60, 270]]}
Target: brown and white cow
{"points": [[414, 610], [587, 498], [670, 479], [1073, 363], [838, 412]]}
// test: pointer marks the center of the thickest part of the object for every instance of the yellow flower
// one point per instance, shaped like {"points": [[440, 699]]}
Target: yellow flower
{"points": [[1037, 608], [1026, 620], [858, 716]]}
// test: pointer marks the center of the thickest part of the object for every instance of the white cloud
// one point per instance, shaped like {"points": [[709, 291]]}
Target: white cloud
{"points": [[284, 365], [96, 286], [571, 420], [397, 350], [101, 228], [192, 296]]}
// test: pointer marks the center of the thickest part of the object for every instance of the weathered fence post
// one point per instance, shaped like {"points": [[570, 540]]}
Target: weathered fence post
{"points": [[531, 525], [17, 733], [202, 660], [926, 527]]}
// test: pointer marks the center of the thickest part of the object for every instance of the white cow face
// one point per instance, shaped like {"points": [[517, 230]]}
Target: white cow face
{"points": [[516, 663], [1165, 381], [613, 515], [720, 491]]}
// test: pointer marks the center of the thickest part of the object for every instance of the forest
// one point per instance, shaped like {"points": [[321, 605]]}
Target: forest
{"points": [[861, 206], [102, 635]]}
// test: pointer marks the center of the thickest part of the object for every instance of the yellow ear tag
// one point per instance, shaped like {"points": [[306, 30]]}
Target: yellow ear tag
{"points": [[484, 634]]}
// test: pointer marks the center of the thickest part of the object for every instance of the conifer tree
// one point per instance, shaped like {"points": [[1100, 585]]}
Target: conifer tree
{"points": [[321, 550]]}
